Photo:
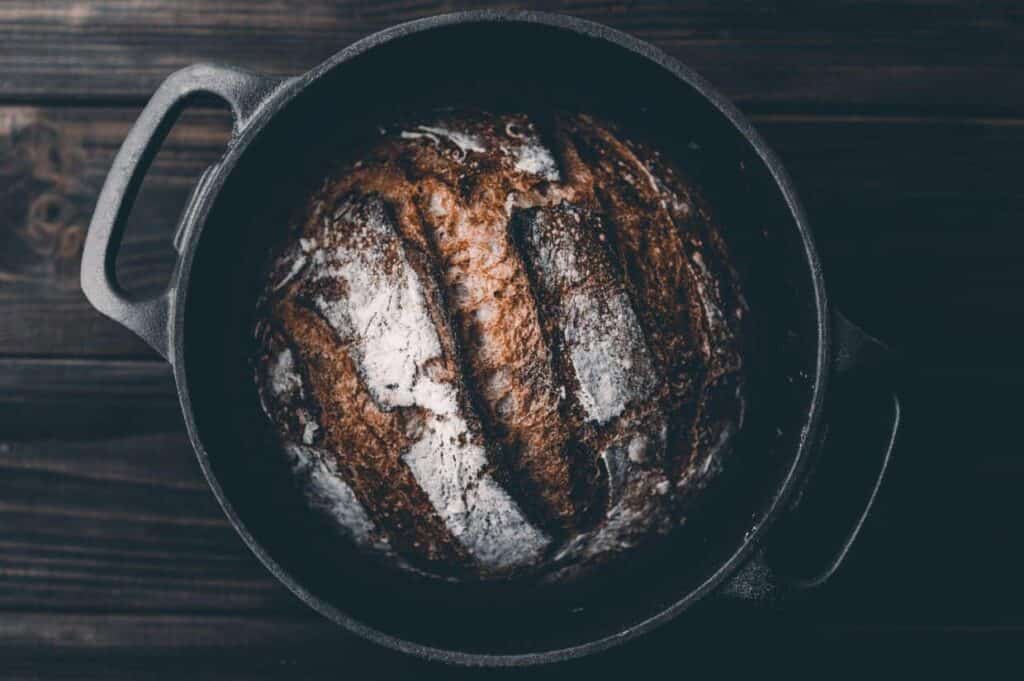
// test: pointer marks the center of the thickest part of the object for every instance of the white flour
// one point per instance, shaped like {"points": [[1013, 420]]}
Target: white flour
{"points": [[607, 353], [464, 141], [328, 492], [716, 320], [384, 315], [297, 263], [535, 159], [284, 379], [372, 297], [309, 427], [601, 331]]}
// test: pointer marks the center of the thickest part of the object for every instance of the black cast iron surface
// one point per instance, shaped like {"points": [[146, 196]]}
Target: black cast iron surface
{"points": [[114, 560]]}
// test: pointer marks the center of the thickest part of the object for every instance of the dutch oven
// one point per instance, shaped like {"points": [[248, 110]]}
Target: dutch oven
{"points": [[821, 416]]}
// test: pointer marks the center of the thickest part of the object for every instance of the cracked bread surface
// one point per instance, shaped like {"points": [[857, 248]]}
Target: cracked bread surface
{"points": [[492, 347]]}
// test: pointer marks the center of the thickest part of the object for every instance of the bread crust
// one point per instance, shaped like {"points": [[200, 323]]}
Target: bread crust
{"points": [[574, 317]]}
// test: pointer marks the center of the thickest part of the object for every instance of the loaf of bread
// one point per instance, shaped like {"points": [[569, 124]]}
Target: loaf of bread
{"points": [[494, 348]]}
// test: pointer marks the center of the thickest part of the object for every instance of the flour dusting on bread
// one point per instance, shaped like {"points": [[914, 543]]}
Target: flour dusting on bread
{"points": [[515, 323]]}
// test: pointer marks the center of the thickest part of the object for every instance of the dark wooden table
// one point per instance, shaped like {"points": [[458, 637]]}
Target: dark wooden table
{"points": [[903, 125]]}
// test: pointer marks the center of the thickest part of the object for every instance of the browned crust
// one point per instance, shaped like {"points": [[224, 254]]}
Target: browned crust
{"points": [[651, 250], [508, 360], [640, 227], [678, 269], [366, 442], [482, 279], [579, 230], [720, 405]]}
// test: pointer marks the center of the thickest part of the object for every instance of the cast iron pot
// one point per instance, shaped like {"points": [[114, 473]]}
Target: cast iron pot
{"points": [[797, 345]]}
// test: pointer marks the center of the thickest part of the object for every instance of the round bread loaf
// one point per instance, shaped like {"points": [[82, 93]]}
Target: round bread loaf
{"points": [[492, 347]]}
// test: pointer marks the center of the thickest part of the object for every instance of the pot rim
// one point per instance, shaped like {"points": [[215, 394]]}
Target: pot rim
{"points": [[281, 98]]}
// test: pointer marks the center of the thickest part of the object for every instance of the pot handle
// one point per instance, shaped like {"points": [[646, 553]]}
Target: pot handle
{"points": [[861, 419], [148, 317]]}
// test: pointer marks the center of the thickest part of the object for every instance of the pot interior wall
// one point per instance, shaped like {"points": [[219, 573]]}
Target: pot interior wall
{"points": [[502, 66]]}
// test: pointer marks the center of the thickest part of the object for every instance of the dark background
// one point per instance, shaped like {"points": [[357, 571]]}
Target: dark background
{"points": [[903, 125]]}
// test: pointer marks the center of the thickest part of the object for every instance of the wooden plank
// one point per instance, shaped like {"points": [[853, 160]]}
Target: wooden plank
{"points": [[102, 504], [37, 645], [851, 56], [153, 633], [52, 166], [123, 524], [81, 400], [897, 204]]}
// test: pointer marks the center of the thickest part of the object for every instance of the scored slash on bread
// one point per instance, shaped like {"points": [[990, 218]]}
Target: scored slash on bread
{"points": [[507, 358], [691, 313], [365, 441], [607, 362], [516, 354]]}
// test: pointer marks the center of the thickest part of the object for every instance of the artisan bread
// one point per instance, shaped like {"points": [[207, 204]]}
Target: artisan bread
{"points": [[491, 347]]}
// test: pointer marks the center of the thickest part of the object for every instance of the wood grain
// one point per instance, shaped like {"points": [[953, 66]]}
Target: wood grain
{"points": [[81, 400], [123, 524], [852, 56], [215, 646], [102, 503], [52, 165]]}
